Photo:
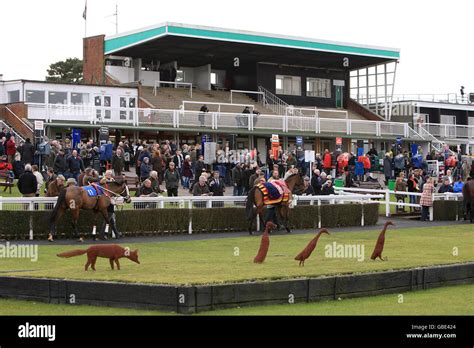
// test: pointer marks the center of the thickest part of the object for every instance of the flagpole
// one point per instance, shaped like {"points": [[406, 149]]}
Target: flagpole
{"points": [[84, 15]]}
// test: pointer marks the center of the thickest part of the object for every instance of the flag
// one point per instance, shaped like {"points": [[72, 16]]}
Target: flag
{"points": [[84, 14]]}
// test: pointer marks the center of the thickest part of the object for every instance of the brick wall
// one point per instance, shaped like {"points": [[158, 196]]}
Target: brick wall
{"points": [[93, 57], [21, 110]]}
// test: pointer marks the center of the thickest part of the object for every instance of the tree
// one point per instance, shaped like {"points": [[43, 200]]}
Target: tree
{"points": [[69, 70]]}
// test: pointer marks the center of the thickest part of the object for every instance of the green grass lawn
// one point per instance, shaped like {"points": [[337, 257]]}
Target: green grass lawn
{"points": [[230, 259], [454, 300]]}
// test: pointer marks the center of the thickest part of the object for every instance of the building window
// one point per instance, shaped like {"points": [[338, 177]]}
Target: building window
{"points": [[79, 98], [318, 88], [213, 79], [35, 96], [289, 85], [57, 97], [14, 96]]}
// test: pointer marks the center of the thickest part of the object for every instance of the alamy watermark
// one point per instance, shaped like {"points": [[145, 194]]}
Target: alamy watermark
{"points": [[21, 251], [345, 251]]}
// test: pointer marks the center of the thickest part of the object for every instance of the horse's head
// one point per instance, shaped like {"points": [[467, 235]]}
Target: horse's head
{"points": [[120, 187], [295, 183]]}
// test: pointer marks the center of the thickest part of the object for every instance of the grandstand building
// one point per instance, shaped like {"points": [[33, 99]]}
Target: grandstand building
{"points": [[150, 83]]}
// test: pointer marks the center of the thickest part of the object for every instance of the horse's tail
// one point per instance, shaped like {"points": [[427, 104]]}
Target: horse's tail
{"points": [[61, 200], [250, 203], [72, 253]]}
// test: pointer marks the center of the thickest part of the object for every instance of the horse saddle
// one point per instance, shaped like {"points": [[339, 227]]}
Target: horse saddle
{"points": [[273, 193], [94, 190]]}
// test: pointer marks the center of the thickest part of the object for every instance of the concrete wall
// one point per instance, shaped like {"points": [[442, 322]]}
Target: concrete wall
{"points": [[202, 77]]}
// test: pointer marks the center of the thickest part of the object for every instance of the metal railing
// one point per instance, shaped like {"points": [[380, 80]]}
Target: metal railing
{"points": [[219, 105], [449, 98], [232, 91], [388, 194], [158, 84], [185, 202], [215, 120], [17, 136], [451, 131], [272, 102]]}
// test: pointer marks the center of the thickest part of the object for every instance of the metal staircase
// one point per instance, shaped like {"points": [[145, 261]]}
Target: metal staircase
{"points": [[277, 105]]}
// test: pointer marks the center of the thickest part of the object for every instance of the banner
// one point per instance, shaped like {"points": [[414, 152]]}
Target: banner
{"points": [[210, 152], [76, 137]]}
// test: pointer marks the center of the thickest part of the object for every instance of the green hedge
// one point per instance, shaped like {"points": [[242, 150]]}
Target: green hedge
{"points": [[447, 210], [16, 224]]}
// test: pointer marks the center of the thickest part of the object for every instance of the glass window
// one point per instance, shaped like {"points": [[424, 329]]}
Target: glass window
{"points": [[289, 85], [318, 88], [79, 98], [107, 101], [213, 79], [57, 97], [14, 96], [132, 102], [98, 101], [35, 96], [123, 102]]}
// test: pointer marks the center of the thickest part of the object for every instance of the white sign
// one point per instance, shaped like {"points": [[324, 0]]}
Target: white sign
{"points": [[275, 138], [210, 152], [341, 83], [309, 156], [39, 125]]}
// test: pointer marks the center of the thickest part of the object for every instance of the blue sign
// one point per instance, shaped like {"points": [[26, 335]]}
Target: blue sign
{"points": [[76, 137], [399, 140], [299, 141]]}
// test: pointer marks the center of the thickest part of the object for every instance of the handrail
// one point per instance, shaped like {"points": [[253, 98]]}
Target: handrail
{"points": [[450, 98], [175, 83], [244, 92], [4, 124], [19, 119], [277, 105], [213, 103]]}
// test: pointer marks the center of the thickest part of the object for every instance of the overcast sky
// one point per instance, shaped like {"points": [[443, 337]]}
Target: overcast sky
{"points": [[435, 37]]}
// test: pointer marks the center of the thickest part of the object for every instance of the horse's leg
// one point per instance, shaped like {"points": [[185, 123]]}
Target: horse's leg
{"points": [[111, 260], [53, 226], [284, 214], [118, 264], [75, 219], [105, 215]]}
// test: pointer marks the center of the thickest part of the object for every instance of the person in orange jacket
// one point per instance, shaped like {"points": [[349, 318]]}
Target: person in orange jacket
{"points": [[327, 162]]}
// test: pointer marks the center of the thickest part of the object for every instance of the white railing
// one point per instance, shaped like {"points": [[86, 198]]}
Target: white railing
{"points": [[185, 202], [449, 98], [214, 120], [232, 91], [158, 84], [451, 131], [388, 194], [271, 101], [219, 106]]}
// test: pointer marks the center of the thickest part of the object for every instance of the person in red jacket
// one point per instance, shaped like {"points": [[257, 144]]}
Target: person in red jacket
{"points": [[327, 162], [11, 149]]}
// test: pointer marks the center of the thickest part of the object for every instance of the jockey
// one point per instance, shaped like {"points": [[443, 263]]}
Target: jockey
{"points": [[90, 176]]}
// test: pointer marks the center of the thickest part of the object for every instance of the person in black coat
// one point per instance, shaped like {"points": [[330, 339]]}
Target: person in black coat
{"points": [[60, 164], [27, 183], [216, 184], [27, 152], [17, 166]]}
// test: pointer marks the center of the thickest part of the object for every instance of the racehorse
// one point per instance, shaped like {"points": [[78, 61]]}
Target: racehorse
{"points": [[77, 198], [468, 199], [295, 184]]}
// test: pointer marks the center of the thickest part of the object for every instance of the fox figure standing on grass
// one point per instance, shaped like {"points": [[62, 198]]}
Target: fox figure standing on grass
{"points": [[113, 252]]}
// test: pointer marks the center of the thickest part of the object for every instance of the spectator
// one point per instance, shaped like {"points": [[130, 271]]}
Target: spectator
{"points": [[387, 167], [216, 185], [254, 176], [27, 183], [146, 189], [172, 180], [27, 152], [308, 188], [158, 164], [199, 168], [11, 149], [71, 182], [400, 186], [445, 187], [17, 166], [155, 183], [201, 188], [328, 188], [178, 160], [3, 144], [187, 173], [60, 164], [50, 176], [349, 178], [75, 164], [275, 176], [202, 115], [145, 169], [39, 179], [118, 162], [458, 185], [108, 177], [412, 185], [236, 173], [327, 162], [127, 155], [316, 182], [426, 200]]}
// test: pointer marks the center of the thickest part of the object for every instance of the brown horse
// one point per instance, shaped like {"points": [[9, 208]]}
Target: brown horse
{"points": [[76, 198], [295, 184], [468, 199]]}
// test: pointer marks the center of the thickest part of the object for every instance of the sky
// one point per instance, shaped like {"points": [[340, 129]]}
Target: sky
{"points": [[435, 37]]}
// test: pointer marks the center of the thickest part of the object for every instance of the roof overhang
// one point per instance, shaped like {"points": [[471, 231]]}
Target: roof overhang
{"points": [[156, 39]]}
